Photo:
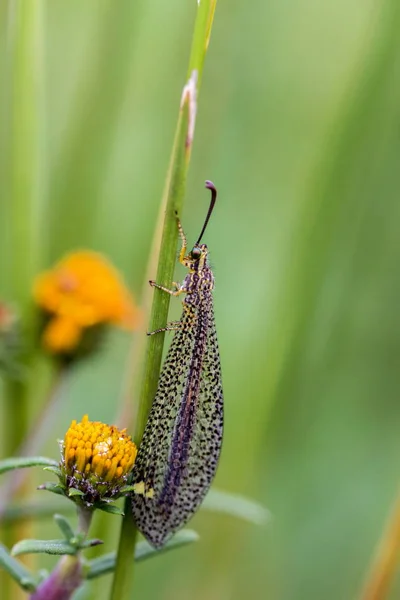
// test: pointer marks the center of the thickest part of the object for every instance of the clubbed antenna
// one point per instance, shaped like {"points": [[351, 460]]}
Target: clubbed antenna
{"points": [[209, 186]]}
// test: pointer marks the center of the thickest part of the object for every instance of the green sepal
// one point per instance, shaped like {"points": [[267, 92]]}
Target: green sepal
{"points": [[65, 527], [56, 547], [236, 506], [113, 509], [55, 470], [17, 570], [126, 489], [56, 488], [8, 464], [75, 492], [106, 564]]}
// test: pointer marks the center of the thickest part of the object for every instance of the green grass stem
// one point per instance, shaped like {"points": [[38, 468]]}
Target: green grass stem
{"points": [[25, 189], [172, 202]]}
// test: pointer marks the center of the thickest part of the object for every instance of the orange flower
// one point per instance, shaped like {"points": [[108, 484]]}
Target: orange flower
{"points": [[82, 291]]}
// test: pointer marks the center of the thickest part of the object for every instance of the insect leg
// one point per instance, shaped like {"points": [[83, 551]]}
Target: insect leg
{"points": [[172, 326], [175, 292]]}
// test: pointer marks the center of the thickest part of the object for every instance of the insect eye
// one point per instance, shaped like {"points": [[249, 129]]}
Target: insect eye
{"points": [[196, 253]]}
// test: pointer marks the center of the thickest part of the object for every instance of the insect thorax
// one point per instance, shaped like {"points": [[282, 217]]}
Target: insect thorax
{"points": [[198, 286]]}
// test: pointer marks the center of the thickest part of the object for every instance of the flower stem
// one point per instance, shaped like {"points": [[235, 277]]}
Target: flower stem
{"points": [[172, 202], [85, 517], [384, 566]]}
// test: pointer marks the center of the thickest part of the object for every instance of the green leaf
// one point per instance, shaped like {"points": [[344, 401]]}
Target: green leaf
{"points": [[65, 527], [8, 464], [57, 547], [236, 506], [106, 563], [110, 508], [144, 550], [56, 488], [74, 492], [101, 566], [17, 570]]}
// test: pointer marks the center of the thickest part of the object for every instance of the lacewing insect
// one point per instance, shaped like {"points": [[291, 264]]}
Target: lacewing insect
{"points": [[181, 444]]}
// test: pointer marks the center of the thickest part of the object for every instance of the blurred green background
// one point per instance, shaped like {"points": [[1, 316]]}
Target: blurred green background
{"points": [[299, 128]]}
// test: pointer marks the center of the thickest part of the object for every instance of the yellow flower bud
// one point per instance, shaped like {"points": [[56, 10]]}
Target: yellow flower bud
{"points": [[96, 460]]}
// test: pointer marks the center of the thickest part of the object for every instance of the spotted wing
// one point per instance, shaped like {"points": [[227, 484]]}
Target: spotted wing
{"points": [[181, 445]]}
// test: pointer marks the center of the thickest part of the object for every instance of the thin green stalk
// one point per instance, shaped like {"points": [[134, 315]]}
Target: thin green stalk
{"points": [[172, 202], [23, 197], [25, 190], [85, 517]]}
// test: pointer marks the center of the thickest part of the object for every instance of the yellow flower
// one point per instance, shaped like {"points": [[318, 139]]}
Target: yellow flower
{"points": [[82, 291], [96, 460]]}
